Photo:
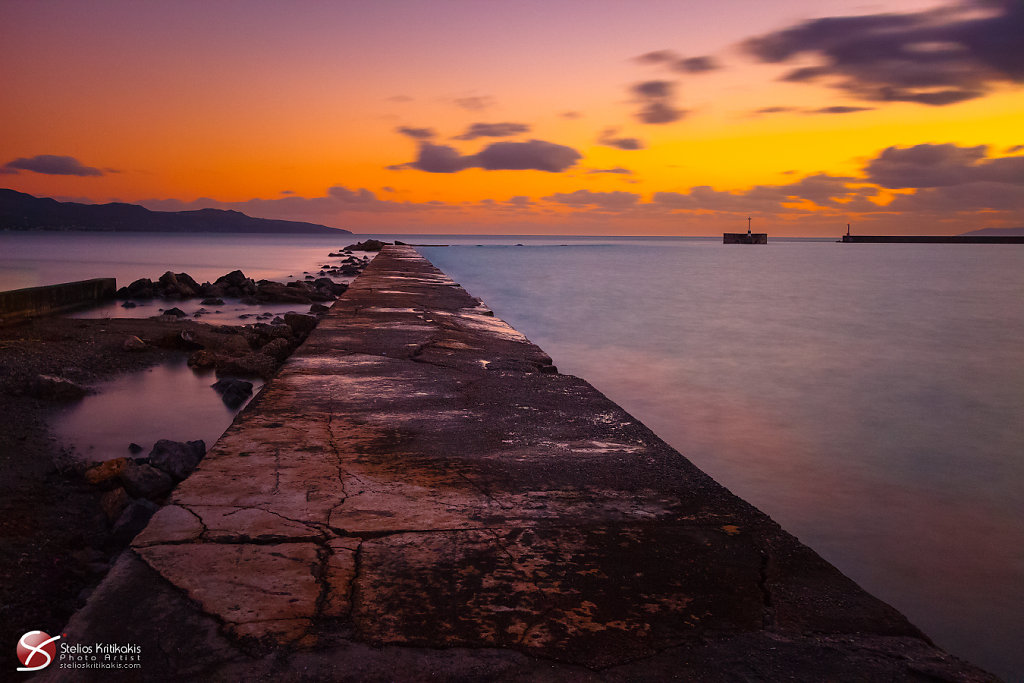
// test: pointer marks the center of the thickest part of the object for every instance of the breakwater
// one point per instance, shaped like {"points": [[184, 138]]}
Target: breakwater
{"points": [[933, 239], [419, 493], [19, 304]]}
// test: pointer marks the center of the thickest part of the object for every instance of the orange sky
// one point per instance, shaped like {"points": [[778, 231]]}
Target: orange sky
{"points": [[651, 117]]}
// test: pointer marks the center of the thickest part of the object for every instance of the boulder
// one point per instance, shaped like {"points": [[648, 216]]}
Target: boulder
{"points": [[179, 285], [368, 245], [234, 283], [132, 520], [143, 288], [134, 448], [177, 458], [145, 481], [318, 308], [113, 502], [52, 388], [105, 471], [133, 343], [253, 364], [203, 359], [234, 392], [129, 304], [276, 292], [278, 348], [176, 312], [300, 323], [212, 301]]}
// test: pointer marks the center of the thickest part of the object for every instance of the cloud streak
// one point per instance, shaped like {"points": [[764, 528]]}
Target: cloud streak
{"points": [[493, 130], [608, 138], [657, 102], [50, 164]]}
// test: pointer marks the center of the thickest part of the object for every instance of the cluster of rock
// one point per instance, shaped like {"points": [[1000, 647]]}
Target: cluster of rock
{"points": [[134, 488], [236, 285], [368, 245]]}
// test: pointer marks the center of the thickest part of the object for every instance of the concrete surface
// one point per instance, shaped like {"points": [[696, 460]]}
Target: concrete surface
{"points": [[18, 304], [419, 495]]}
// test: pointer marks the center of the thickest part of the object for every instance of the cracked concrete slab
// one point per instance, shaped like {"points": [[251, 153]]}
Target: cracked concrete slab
{"points": [[419, 494]]}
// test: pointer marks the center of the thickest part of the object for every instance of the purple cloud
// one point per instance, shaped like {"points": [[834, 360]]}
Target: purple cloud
{"points": [[493, 130], [656, 100], [617, 170], [609, 139], [603, 200], [416, 133], [475, 102], [838, 110], [926, 166], [937, 57], [51, 164], [536, 155], [696, 65]]}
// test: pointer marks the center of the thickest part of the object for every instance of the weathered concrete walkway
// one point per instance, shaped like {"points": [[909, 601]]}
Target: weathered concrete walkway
{"points": [[419, 494]]}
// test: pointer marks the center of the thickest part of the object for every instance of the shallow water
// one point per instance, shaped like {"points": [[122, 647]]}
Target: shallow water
{"points": [[169, 401]]}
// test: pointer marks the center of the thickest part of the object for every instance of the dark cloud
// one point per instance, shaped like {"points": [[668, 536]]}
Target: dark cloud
{"points": [[1015, 149], [475, 102], [617, 170], [520, 200], [287, 192], [831, 192], [838, 110], [936, 57], [493, 130], [656, 99], [604, 200], [51, 165], [657, 57], [774, 110], [536, 155], [417, 133], [609, 138], [927, 166], [695, 65]]}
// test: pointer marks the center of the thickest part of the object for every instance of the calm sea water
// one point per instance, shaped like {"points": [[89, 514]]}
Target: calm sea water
{"points": [[870, 398]]}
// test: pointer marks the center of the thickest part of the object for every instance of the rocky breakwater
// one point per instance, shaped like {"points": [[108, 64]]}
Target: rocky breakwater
{"points": [[421, 495]]}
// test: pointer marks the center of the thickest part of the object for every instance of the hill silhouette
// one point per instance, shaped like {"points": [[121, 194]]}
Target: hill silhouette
{"points": [[20, 211]]}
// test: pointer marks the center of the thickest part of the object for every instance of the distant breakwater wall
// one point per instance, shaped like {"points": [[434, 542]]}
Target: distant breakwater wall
{"points": [[19, 304], [419, 494], [933, 239]]}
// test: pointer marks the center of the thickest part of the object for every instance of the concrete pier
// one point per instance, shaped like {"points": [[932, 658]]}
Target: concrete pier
{"points": [[18, 304], [420, 495]]}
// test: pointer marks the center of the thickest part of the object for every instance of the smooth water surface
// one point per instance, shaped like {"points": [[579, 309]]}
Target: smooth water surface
{"points": [[169, 401], [870, 398]]}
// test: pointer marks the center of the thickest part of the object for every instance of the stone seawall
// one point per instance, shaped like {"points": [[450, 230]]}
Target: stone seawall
{"points": [[420, 495], [19, 304]]}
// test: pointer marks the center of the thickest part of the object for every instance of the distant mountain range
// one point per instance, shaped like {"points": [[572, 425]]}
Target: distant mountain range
{"points": [[20, 211], [995, 232]]}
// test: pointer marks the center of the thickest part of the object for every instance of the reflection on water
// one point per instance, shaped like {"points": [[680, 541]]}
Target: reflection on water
{"points": [[231, 312], [168, 401], [869, 400]]}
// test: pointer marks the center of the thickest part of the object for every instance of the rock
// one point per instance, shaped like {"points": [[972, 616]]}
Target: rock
{"points": [[54, 388], [368, 245], [212, 301], [278, 320], [177, 458], [234, 392], [145, 481], [318, 308], [277, 348], [105, 471], [134, 448], [133, 343], [202, 359], [277, 292], [132, 520], [179, 285], [143, 288], [234, 283], [300, 323], [267, 332], [249, 300], [113, 503], [252, 364], [129, 304], [176, 312]]}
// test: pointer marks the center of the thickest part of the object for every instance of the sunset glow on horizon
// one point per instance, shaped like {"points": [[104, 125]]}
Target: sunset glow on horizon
{"points": [[598, 117]]}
